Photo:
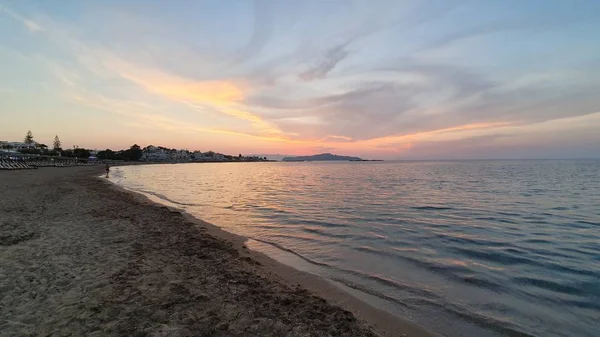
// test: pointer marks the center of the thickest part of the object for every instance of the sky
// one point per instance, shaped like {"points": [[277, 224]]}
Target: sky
{"points": [[377, 79]]}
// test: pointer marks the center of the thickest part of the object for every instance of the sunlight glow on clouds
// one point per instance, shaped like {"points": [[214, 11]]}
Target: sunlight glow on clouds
{"points": [[379, 79]]}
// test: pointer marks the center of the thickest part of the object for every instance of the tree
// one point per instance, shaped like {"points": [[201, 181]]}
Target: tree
{"points": [[57, 143], [136, 152], [29, 137], [107, 154], [81, 153]]}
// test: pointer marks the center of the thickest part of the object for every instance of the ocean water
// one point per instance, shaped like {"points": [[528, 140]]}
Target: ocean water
{"points": [[464, 248]]}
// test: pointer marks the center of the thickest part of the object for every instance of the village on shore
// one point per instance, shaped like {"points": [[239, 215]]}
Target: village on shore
{"points": [[30, 148]]}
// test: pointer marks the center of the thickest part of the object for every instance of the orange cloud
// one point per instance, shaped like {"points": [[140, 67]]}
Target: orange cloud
{"points": [[329, 137], [222, 96], [209, 92], [382, 145], [398, 143], [419, 135], [392, 143], [388, 144]]}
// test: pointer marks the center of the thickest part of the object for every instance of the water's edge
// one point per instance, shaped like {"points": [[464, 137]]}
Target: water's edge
{"points": [[485, 249], [368, 303]]}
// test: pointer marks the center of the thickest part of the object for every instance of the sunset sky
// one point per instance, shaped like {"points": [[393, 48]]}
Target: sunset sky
{"points": [[386, 80]]}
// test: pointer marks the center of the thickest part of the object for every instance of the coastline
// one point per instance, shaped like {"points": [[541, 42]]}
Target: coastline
{"points": [[154, 270]]}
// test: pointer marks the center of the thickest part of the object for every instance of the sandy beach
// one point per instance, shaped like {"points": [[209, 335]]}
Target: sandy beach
{"points": [[80, 256]]}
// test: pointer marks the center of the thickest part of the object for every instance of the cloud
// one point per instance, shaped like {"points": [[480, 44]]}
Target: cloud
{"points": [[464, 148], [209, 92], [141, 115], [529, 22], [32, 26], [388, 107], [327, 62], [343, 83], [214, 96], [29, 24], [380, 108], [262, 24], [220, 96], [337, 137], [319, 55], [442, 96], [571, 137]]}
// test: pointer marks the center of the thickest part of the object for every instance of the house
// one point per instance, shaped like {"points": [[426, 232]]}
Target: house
{"points": [[153, 153], [179, 155], [20, 145]]}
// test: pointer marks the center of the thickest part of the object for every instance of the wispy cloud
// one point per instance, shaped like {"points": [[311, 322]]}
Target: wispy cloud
{"points": [[262, 29], [326, 63], [29, 24], [306, 76]]}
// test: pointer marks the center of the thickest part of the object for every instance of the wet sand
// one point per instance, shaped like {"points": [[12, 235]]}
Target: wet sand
{"points": [[80, 256]]}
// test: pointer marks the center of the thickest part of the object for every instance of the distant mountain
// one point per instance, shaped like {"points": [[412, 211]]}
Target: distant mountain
{"points": [[321, 157]]}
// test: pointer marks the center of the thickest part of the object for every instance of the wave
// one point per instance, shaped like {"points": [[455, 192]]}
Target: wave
{"points": [[495, 256], [291, 251], [546, 253], [450, 271], [538, 241], [579, 289], [583, 222], [593, 254], [369, 291], [503, 327], [371, 250], [432, 208], [327, 234], [323, 223], [482, 283], [495, 219], [378, 279], [297, 238], [510, 214], [476, 242], [165, 198]]}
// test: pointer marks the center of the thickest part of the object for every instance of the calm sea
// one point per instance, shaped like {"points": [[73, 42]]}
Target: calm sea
{"points": [[464, 248]]}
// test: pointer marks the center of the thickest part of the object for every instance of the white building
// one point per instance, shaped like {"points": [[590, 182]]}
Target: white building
{"points": [[153, 153], [19, 145], [179, 155]]}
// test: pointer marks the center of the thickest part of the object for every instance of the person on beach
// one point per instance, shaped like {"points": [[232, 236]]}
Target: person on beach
{"points": [[107, 167]]}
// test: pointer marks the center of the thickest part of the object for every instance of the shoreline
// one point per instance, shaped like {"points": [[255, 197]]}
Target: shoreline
{"points": [[271, 297], [383, 322]]}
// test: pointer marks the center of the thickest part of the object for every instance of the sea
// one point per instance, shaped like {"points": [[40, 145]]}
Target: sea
{"points": [[463, 248]]}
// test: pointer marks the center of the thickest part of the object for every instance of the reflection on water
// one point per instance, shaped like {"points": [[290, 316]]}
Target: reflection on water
{"points": [[477, 248]]}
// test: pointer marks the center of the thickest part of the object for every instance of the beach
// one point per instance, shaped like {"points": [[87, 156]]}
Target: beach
{"points": [[80, 256]]}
